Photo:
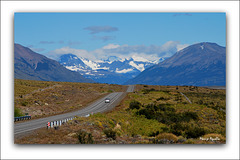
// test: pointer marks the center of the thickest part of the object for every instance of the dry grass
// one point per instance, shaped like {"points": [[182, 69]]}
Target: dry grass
{"points": [[41, 99], [134, 129]]}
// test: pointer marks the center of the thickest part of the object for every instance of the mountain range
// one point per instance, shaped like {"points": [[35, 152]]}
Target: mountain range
{"points": [[33, 66], [113, 70], [202, 64]]}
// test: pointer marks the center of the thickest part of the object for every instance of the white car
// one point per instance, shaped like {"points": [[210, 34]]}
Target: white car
{"points": [[107, 100]]}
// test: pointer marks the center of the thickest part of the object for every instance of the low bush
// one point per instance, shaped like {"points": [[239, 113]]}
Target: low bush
{"points": [[134, 105], [187, 116], [17, 112], [166, 114], [166, 138], [194, 132], [181, 139], [154, 134], [110, 133], [24, 103], [85, 137], [189, 141], [146, 91], [160, 98]]}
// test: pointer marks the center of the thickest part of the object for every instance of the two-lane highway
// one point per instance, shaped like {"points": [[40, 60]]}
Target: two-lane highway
{"points": [[98, 106], [130, 88]]}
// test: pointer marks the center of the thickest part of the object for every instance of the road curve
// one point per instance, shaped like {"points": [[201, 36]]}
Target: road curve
{"points": [[98, 106]]}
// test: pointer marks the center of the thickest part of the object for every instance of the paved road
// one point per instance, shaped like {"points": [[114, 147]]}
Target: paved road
{"points": [[98, 106], [186, 98], [130, 88]]}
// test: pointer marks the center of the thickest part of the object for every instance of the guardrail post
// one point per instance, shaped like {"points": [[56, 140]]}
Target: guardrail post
{"points": [[48, 125]]}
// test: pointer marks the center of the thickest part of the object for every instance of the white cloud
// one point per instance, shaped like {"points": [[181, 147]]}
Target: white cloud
{"points": [[111, 46], [66, 50], [137, 52], [169, 45], [124, 70], [181, 46]]}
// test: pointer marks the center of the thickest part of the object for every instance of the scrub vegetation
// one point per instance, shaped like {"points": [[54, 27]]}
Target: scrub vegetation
{"points": [[149, 115], [43, 98]]}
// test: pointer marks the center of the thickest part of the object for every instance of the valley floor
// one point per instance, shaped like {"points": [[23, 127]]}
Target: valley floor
{"points": [[149, 115]]}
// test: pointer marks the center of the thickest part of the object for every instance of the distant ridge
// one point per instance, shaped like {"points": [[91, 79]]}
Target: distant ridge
{"points": [[33, 66], [202, 64], [113, 70]]}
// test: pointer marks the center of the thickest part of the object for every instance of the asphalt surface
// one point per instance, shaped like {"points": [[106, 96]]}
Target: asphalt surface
{"points": [[98, 106], [186, 98], [130, 88]]}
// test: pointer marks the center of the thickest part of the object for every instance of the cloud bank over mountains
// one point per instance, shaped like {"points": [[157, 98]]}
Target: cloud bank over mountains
{"points": [[151, 53]]}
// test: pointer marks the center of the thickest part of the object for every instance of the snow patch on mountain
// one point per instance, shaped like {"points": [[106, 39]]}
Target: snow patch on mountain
{"points": [[93, 65], [139, 59], [75, 68], [140, 67], [124, 70], [112, 69]]}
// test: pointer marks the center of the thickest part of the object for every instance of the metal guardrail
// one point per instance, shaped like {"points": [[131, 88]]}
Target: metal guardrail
{"points": [[54, 124], [22, 118]]}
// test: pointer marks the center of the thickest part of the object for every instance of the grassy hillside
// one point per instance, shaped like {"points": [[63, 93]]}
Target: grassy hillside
{"points": [[42, 98], [150, 115]]}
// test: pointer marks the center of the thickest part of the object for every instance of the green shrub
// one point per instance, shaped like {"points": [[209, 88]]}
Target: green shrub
{"points": [[146, 91], [17, 112], [160, 98], [187, 116], [134, 105], [84, 137], [194, 132], [177, 129], [110, 133], [181, 139], [166, 138], [189, 141], [154, 134], [110, 91], [24, 103]]}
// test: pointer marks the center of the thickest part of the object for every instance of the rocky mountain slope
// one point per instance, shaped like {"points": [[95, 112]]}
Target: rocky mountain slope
{"points": [[33, 66], [202, 64]]}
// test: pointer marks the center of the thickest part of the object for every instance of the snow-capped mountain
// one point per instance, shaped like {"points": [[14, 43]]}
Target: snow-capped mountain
{"points": [[201, 64], [113, 70]]}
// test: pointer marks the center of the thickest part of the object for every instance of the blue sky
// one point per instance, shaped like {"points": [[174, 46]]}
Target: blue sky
{"points": [[92, 35]]}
